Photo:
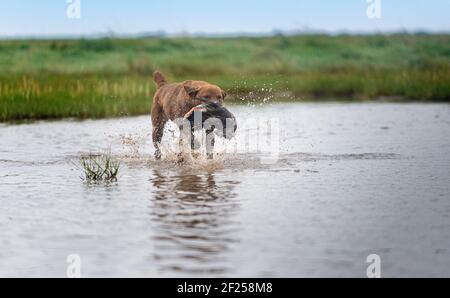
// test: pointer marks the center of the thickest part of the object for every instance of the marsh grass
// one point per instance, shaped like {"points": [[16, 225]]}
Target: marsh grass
{"points": [[99, 168], [51, 79]]}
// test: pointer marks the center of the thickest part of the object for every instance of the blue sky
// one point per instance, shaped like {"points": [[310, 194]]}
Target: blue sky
{"points": [[48, 17]]}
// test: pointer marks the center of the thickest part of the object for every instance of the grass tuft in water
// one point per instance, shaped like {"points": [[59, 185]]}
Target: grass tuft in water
{"points": [[99, 168]]}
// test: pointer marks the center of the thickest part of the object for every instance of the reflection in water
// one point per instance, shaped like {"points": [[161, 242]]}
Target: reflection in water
{"points": [[194, 222]]}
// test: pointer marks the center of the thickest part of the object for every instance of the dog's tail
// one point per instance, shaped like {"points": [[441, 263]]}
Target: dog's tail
{"points": [[159, 78]]}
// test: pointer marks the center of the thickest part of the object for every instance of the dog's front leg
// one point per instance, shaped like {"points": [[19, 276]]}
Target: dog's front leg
{"points": [[192, 138], [210, 142], [186, 138]]}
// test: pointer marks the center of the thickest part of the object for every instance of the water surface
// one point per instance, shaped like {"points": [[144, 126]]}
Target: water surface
{"points": [[351, 180]]}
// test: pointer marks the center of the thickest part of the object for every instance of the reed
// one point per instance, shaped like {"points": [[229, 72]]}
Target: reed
{"points": [[99, 168]]}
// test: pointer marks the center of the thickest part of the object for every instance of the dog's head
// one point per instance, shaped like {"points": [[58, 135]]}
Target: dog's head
{"points": [[205, 91]]}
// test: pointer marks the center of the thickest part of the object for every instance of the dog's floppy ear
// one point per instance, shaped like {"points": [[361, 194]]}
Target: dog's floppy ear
{"points": [[224, 94], [191, 91]]}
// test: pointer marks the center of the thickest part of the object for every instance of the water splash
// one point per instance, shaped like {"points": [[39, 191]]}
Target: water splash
{"points": [[177, 151]]}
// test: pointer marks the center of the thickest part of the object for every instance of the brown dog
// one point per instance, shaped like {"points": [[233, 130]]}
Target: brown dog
{"points": [[173, 101]]}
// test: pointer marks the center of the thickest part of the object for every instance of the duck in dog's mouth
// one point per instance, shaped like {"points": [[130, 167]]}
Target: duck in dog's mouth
{"points": [[210, 113]]}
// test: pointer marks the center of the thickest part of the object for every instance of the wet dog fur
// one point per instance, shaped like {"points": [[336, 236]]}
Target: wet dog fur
{"points": [[174, 101]]}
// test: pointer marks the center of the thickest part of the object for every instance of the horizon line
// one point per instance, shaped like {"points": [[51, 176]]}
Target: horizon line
{"points": [[273, 33]]}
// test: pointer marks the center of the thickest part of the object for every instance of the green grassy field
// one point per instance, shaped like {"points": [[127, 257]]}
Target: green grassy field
{"points": [[50, 79]]}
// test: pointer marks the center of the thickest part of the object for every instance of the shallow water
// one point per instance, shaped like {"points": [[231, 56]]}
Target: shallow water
{"points": [[350, 180]]}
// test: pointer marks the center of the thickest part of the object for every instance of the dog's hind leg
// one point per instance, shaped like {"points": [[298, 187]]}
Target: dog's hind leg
{"points": [[159, 120], [157, 137], [158, 131]]}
